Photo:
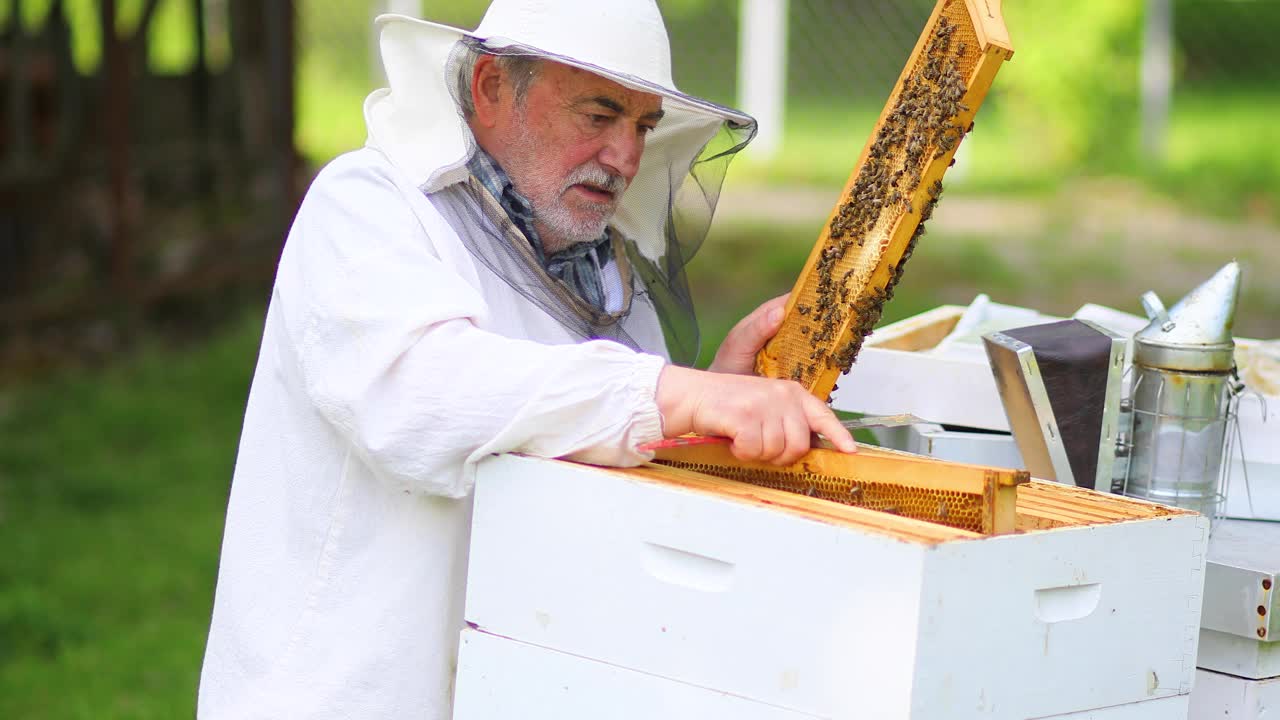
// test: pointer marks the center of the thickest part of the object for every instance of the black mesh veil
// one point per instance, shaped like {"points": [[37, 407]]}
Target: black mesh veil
{"points": [[662, 219]]}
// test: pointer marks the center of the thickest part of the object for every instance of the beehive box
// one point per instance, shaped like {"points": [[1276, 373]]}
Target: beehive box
{"points": [[624, 583]]}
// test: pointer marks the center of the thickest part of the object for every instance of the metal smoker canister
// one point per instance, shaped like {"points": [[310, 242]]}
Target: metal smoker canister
{"points": [[1182, 398]]}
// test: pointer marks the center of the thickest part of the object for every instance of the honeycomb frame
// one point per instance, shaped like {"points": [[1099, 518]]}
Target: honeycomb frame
{"points": [[872, 232], [967, 497]]}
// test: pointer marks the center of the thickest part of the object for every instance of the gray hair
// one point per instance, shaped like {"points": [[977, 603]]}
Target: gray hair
{"points": [[519, 69]]}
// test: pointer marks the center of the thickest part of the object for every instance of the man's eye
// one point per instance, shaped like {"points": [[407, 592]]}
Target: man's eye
{"points": [[599, 119], [646, 129]]}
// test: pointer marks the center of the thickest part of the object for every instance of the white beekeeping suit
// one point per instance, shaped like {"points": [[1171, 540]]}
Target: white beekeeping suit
{"points": [[396, 355]]}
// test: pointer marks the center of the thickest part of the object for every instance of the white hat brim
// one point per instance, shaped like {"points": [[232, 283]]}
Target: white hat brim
{"points": [[500, 44], [417, 124]]}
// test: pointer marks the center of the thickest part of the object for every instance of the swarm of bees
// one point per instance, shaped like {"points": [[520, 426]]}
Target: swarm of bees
{"points": [[920, 128]]}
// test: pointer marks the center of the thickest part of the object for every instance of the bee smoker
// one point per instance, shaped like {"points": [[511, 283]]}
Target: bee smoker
{"points": [[1183, 397]]}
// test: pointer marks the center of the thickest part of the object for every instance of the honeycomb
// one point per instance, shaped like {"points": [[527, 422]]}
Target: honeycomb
{"points": [[953, 508], [859, 258]]}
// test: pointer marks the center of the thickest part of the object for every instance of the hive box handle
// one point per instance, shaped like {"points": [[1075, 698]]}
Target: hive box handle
{"points": [[1067, 602], [687, 569]]}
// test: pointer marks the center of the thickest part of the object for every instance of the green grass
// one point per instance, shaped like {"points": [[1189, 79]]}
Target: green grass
{"points": [[113, 485], [1224, 151]]}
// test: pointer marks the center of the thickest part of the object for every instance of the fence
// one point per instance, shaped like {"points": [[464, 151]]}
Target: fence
{"points": [[125, 184], [83, 216], [1078, 73]]}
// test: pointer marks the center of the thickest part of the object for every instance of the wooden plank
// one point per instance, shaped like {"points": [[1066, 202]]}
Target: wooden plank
{"points": [[1028, 506], [988, 24], [1084, 510], [1084, 498], [870, 463], [922, 332], [971, 497], [859, 256], [903, 528], [1030, 522], [1046, 505]]}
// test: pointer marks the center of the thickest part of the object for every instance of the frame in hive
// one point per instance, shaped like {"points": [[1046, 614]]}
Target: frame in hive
{"points": [[966, 497]]}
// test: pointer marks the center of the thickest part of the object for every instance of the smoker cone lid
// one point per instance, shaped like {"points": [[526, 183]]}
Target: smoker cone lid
{"points": [[1195, 336]]}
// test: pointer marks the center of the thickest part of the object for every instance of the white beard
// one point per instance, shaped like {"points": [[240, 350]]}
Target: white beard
{"points": [[559, 225]]}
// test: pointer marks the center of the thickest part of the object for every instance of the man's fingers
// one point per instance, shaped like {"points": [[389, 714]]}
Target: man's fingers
{"points": [[798, 440], [755, 329], [773, 439], [823, 421], [747, 442], [738, 351], [770, 317]]}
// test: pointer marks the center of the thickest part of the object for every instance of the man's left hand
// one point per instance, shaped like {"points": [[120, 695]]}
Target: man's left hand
{"points": [[737, 354]]}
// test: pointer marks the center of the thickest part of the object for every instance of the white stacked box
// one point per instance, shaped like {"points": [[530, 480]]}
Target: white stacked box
{"points": [[1239, 655], [1225, 696], [591, 594]]}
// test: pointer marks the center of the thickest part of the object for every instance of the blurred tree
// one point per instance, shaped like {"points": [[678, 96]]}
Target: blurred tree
{"points": [[1072, 87], [113, 124]]}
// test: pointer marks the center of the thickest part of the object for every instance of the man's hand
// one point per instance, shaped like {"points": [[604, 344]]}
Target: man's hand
{"points": [[768, 420], [737, 354]]}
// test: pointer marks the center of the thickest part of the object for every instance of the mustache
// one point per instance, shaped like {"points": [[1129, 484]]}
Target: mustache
{"points": [[597, 177]]}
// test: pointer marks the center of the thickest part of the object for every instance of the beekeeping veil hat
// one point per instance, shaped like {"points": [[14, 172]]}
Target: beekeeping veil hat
{"points": [[665, 212]]}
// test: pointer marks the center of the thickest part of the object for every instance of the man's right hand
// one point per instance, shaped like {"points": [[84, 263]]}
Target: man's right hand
{"points": [[768, 420]]}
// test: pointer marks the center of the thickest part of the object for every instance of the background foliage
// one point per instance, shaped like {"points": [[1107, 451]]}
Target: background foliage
{"points": [[114, 478]]}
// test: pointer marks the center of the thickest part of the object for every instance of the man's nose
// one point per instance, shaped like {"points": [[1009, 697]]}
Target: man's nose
{"points": [[622, 150]]}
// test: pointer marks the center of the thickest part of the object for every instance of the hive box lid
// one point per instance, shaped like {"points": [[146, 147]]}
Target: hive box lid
{"points": [[907, 367]]}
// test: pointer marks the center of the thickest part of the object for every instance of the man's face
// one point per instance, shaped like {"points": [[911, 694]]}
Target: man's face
{"points": [[571, 147]]}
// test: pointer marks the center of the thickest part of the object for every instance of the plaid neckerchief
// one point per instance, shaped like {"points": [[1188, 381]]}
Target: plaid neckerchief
{"points": [[578, 265]]}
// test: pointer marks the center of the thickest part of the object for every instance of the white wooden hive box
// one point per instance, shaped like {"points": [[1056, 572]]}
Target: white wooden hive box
{"points": [[821, 618], [1238, 625]]}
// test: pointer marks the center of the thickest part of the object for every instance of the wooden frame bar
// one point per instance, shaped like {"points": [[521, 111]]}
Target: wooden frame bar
{"points": [[972, 497]]}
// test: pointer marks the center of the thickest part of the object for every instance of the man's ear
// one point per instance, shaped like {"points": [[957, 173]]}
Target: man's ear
{"points": [[486, 81]]}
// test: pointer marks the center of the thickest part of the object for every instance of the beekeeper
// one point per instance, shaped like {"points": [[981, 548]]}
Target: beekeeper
{"points": [[500, 269]]}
